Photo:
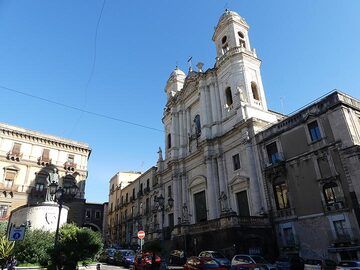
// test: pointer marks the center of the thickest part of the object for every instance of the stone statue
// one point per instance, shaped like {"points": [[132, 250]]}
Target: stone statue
{"points": [[185, 213], [52, 178], [241, 93], [160, 154], [224, 204]]}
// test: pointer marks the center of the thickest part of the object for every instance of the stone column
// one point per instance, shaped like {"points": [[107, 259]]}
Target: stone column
{"points": [[254, 181], [176, 197], [214, 109], [203, 111], [223, 185], [181, 133], [212, 196]]}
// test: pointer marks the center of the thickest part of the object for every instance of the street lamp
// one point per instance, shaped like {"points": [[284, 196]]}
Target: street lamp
{"points": [[60, 195], [161, 204]]}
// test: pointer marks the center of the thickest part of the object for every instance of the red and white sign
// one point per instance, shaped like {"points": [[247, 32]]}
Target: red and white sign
{"points": [[141, 234]]}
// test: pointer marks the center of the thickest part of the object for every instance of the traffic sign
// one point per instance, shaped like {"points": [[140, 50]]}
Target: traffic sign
{"points": [[17, 234], [141, 234]]}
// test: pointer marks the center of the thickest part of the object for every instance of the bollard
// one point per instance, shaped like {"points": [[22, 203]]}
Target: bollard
{"points": [[98, 266]]}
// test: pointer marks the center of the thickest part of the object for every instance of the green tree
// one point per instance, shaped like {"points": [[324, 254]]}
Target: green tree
{"points": [[6, 249], [76, 244], [35, 248]]}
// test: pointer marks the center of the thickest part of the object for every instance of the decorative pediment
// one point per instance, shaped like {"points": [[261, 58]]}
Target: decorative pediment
{"points": [[239, 182], [199, 180], [12, 167]]}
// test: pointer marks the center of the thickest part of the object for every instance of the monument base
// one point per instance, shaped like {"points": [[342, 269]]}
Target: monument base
{"points": [[42, 216]]}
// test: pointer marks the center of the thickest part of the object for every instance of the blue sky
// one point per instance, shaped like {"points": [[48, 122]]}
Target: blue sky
{"points": [[47, 47]]}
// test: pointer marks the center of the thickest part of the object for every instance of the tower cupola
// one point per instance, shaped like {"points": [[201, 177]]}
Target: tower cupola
{"points": [[175, 82], [230, 32]]}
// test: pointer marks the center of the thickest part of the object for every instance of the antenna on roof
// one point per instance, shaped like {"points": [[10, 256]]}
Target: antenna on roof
{"points": [[282, 105], [190, 63]]}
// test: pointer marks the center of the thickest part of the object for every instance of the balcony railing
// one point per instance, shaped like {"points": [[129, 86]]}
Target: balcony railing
{"points": [[14, 156], [285, 213], [147, 190], [254, 221], [344, 235], [140, 193], [70, 166], [339, 205]]}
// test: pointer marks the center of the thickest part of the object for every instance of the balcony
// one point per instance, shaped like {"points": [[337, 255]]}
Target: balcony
{"points": [[14, 156], [147, 190], [343, 235], [276, 167], [339, 205], [284, 213], [140, 193], [70, 166], [254, 221]]}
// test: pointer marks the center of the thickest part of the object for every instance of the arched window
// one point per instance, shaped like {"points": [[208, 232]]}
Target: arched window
{"points": [[255, 91], [169, 141], [197, 125], [242, 39], [229, 100], [331, 193], [225, 45]]}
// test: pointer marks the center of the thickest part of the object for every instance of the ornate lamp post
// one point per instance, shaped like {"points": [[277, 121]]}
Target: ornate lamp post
{"points": [[60, 195], [161, 204]]}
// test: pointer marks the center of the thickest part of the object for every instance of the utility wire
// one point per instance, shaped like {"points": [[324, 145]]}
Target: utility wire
{"points": [[91, 74], [79, 109]]}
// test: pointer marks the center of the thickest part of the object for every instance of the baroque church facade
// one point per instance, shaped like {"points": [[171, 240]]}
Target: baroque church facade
{"points": [[209, 167]]}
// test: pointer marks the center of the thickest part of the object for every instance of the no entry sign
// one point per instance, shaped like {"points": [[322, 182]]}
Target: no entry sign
{"points": [[141, 234]]}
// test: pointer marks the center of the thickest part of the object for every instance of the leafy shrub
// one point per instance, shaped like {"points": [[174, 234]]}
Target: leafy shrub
{"points": [[76, 244], [35, 248], [6, 249]]}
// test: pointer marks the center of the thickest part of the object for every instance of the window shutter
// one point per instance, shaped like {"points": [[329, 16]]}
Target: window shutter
{"points": [[16, 149], [46, 154]]}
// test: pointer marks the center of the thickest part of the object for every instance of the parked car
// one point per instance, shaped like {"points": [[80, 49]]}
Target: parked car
{"points": [[248, 266], [290, 262], [319, 264], [203, 263], [108, 256], [347, 265], [125, 257], [177, 258], [220, 258], [252, 259], [145, 261]]}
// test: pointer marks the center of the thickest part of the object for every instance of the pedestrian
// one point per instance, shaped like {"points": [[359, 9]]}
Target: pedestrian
{"points": [[11, 263]]}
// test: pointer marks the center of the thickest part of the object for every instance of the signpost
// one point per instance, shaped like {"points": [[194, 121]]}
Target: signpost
{"points": [[17, 234], [141, 236]]}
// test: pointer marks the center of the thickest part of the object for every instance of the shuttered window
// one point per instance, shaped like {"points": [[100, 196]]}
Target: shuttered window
{"points": [[45, 155], [16, 149]]}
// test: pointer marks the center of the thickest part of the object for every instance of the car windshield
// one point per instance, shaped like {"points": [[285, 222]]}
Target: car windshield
{"points": [[110, 252], [217, 255], [128, 253], [313, 262], [259, 259], [348, 264]]}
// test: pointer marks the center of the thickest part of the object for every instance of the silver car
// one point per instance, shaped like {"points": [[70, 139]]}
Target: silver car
{"points": [[347, 265], [252, 259]]}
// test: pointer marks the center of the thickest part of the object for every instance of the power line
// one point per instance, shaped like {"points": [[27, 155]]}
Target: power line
{"points": [[91, 74], [79, 109]]}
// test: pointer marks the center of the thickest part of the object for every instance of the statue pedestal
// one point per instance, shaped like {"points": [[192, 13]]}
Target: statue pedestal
{"points": [[43, 216]]}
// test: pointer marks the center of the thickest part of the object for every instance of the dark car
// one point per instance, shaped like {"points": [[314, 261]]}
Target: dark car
{"points": [[220, 258], [177, 258], [348, 265], [125, 257], [319, 264], [203, 263], [146, 261], [290, 262], [108, 256]]}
